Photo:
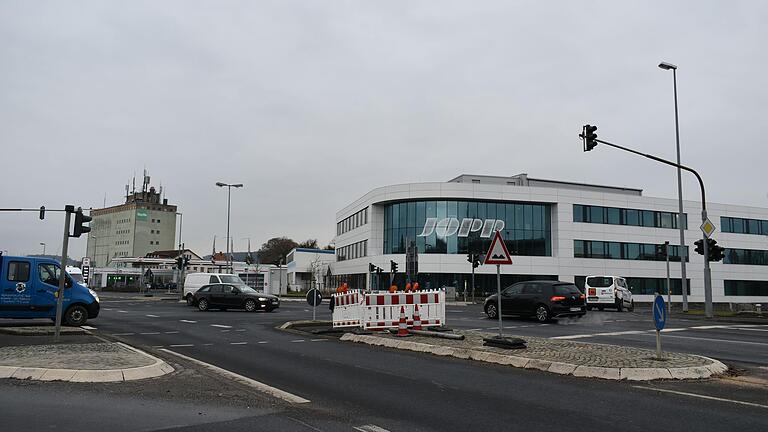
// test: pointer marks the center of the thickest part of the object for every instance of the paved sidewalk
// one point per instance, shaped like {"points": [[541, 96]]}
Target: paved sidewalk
{"points": [[559, 356], [79, 362]]}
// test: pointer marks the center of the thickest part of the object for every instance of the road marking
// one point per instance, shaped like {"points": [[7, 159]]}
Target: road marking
{"points": [[581, 336], [122, 311], [188, 321], [152, 316], [157, 346], [298, 340], [171, 332], [238, 343], [108, 309], [474, 329], [262, 342], [752, 404], [272, 391], [123, 334], [716, 340], [369, 428], [180, 345], [752, 329], [207, 344], [318, 340], [221, 326], [150, 333], [240, 330], [87, 328]]}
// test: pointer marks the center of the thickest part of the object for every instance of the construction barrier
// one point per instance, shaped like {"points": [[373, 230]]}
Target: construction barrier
{"points": [[381, 310]]}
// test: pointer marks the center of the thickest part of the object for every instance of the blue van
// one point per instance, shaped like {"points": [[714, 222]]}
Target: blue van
{"points": [[28, 290]]}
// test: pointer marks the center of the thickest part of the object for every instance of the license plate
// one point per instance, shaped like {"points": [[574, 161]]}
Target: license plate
{"points": [[578, 309]]}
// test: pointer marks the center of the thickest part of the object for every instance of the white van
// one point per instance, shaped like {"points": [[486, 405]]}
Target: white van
{"points": [[194, 281], [608, 291]]}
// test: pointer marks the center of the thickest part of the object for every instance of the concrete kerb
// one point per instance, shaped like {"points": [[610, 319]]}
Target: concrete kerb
{"points": [[611, 373], [156, 369]]}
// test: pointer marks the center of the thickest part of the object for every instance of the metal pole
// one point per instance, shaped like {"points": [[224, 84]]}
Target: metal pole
{"points": [[62, 273], [707, 271], [229, 194], [473, 278], [683, 277], [498, 291], [669, 286], [658, 345]]}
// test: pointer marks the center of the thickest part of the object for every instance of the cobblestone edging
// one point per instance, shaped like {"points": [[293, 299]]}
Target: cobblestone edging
{"points": [[566, 358], [147, 366]]}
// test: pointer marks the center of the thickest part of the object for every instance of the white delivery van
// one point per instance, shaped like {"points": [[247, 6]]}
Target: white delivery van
{"points": [[608, 291], [194, 281]]}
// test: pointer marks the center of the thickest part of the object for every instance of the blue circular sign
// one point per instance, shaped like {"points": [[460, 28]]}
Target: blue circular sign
{"points": [[659, 312], [314, 298]]}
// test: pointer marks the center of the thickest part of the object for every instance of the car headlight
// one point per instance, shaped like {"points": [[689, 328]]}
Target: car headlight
{"points": [[262, 299], [93, 293]]}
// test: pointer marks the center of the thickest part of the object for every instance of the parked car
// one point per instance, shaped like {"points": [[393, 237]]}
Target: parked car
{"points": [[608, 291], [544, 300], [194, 281], [229, 296]]}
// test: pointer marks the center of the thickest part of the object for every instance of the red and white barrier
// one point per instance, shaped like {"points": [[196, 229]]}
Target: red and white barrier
{"points": [[381, 310], [347, 309]]}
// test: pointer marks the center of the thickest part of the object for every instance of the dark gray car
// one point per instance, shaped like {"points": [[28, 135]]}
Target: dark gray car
{"points": [[543, 300], [228, 296]]}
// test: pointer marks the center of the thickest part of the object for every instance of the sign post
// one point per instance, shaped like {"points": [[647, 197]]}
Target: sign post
{"points": [[659, 320], [498, 255]]}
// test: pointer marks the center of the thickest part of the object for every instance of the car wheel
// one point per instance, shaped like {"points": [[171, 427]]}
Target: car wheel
{"points": [[631, 306], [491, 310], [76, 316], [250, 305], [542, 313], [202, 304], [190, 300], [619, 305]]}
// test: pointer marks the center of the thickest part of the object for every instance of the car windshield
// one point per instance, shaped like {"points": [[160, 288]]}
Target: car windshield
{"points": [[77, 277], [567, 289], [599, 282], [231, 279]]}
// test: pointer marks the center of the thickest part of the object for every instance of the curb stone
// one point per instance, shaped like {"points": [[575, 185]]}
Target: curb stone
{"points": [[158, 368], [612, 373]]}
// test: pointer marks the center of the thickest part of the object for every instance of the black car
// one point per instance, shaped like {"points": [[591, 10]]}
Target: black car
{"points": [[228, 296], [541, 299]]}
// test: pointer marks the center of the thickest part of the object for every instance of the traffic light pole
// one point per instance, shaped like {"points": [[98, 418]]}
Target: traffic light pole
{"points": [[707, 271], [63, 273]]}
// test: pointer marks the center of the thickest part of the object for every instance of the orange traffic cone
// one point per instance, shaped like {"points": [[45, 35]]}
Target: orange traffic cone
{"points": [[416, 317], [402, 327]]}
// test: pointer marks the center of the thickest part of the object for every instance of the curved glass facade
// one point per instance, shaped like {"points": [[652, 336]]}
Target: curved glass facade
{"points": [[460, 227]]}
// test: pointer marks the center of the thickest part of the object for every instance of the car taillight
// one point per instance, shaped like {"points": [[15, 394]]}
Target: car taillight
{"points": [[557, 298]]}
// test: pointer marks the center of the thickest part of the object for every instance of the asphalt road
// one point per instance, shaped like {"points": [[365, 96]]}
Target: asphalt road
{"points": [[358, 387]]}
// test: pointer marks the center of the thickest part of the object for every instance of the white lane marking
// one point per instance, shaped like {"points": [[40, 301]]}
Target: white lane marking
{"points": [[180, 345], [123, 334], [171, 332], [581, 336], [152, 316], [240, 330], [474, 329], [87, 328], [298, 340], [150, 333], [752, 404], [157, 346], [108, 309], [262, 342], [272, 391], [122, 311], [238, 343], [318, 340], [188, 321], [369, 428], [221, 326], [207, 344], [715, 340], [753, 329]]}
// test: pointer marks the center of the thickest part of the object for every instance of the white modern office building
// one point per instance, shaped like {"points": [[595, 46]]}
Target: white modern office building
{"points": [[554, 230]]}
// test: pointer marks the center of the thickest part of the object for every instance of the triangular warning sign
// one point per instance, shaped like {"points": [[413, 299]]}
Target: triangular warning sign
{"points": [[498, 253]]}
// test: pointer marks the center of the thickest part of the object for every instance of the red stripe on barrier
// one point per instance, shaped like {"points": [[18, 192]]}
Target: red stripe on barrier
{"points": [[437, 300], [409, 298], [423, 298], [380, 300], [395, 300]]}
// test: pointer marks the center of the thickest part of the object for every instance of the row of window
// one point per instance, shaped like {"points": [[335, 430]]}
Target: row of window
{"points": [[745, 256], [621, 250], [121, 221], [152, 242], [632, 217], [19, 271], [122, 242], [154, 231], [355, 250], [117, 254], [155, 220], [126, 231], [356, 220], [743, 226], [746, 288]]}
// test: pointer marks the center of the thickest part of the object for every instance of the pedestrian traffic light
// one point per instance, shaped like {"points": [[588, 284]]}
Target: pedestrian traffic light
{"points": [[42, 212], [715, 252], [589, 137], [699, 246], [393, 266], [80, 220]]}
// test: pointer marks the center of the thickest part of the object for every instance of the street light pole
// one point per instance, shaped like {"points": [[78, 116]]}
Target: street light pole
{"points": [[683, 276], [229, 200], [43, 245]]}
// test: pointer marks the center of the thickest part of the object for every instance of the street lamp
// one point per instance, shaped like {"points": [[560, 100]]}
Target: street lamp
{"points": [[683, 255], [229, 195], [43, 245]]}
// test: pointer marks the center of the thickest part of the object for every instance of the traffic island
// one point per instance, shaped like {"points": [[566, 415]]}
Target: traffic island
{"points": [[80, 362], [563, 357]]}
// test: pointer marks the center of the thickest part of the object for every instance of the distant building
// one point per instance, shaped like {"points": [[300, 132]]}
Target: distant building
{"points": [[144, 223], [306, 266]]}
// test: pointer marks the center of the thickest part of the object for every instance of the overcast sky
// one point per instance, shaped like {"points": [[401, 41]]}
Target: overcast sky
{"points": [[311, 104]]}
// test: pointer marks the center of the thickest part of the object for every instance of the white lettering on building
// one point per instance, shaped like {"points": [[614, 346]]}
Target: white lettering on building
{"points": [[451, 226]]}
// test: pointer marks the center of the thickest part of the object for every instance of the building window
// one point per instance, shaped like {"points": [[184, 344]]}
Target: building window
{"points": [[356, 220], [746, 288], [745, 256], [625, 251], [631, 217], [353, 251], [743, 226]]}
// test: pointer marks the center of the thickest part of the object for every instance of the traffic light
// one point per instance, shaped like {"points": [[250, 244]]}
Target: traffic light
{"points": [[476, 261], [42, 212], [661, 250], [81, 219], [379, 270], [699, 246], [589, 136], [371, 268], [180, 263], [471, 258], [186, 261], [393, 266], [715, 252]]}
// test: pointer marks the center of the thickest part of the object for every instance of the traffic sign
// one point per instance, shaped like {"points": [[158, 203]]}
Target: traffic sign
{"points": [[708, 228], [659, 312], [498, 253], [314, 298]]}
